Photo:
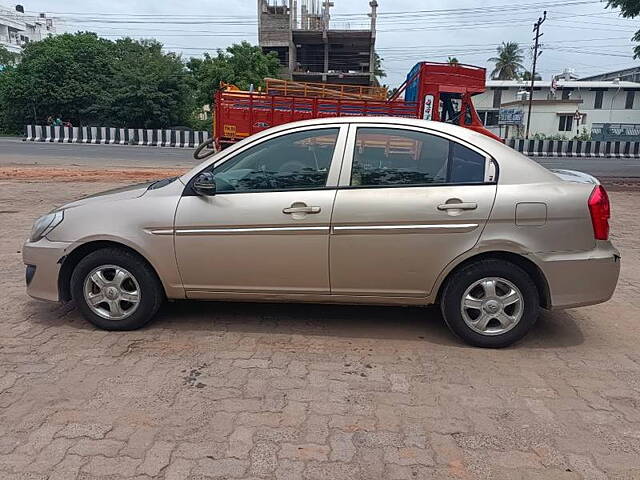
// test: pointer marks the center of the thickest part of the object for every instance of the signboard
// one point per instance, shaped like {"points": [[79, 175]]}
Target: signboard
{"points": [[428, 108], [510, 116]]}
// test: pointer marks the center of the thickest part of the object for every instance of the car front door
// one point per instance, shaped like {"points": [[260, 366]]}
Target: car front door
{"points": [[409, 202], [266, 229]]}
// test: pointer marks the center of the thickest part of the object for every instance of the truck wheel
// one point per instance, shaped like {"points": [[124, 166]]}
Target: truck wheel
{"points": [[116, 290], [490, 303]]}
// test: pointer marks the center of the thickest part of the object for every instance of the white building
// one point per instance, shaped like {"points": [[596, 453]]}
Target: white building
{"points": [[554, 114], [17, 28]]}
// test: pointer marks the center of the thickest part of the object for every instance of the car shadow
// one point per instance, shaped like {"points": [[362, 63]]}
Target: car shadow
{"points": [[357, 321], [557, 329]]}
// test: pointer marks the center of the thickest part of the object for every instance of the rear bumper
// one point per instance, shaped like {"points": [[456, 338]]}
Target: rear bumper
{"points": [[581, 278], [42, 260]]}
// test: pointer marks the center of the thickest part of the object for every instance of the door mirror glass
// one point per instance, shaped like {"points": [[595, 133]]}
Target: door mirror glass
{"points": [[205, 184]]}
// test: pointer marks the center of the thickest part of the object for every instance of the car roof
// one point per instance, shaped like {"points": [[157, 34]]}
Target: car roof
{"points": [[385, 121]]}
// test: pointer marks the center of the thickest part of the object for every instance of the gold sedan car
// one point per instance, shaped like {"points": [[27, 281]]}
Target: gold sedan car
{"points": [[353, 210]]}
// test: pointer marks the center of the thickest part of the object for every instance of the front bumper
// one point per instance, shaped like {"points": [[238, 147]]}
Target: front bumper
{"points": [[42, 259], [581, 278]]}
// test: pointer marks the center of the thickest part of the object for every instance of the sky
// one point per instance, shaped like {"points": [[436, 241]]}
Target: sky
{"points": [[580, 35]]}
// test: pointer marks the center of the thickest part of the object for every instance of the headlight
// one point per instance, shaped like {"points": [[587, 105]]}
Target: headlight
{"points": [[45, 224]]}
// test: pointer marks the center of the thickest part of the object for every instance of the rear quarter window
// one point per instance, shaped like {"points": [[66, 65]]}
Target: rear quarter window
{"points": [[466, 165]]}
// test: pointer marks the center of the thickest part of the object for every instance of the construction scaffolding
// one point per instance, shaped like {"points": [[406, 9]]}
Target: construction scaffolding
{"points": [[309, 50]]}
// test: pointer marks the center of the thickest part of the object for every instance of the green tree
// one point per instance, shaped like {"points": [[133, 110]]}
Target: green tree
{"points": [[147, 87], [453, 61], [378, 71], [7, 58], [61, 74], [508, 63], [628, 9], [93, 81], [241, 64]]}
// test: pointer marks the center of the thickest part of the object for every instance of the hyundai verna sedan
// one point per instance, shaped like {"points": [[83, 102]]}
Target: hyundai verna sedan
{"points": [[354, 210]]}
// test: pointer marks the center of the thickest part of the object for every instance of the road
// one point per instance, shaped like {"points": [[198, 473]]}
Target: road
{"points": [[14, 151], [281, 391]]}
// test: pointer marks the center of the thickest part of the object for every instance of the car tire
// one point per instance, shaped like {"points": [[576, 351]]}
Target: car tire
{"points": [[95, 275], [490, 320]]}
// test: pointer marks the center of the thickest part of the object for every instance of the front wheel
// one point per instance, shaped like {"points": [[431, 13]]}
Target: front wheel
{"points": [[116, 290], [490, 303]]}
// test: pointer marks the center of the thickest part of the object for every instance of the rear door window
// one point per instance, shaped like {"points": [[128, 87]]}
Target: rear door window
{"points": [[388, 156]]}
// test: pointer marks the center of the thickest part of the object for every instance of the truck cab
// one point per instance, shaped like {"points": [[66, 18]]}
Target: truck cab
{"points": [[444, 93]]}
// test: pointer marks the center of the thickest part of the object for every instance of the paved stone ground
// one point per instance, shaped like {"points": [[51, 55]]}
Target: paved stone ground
{"points": [[220, 390]]}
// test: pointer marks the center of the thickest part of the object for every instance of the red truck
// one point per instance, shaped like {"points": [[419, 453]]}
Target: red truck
{"points": [[432, 91]]}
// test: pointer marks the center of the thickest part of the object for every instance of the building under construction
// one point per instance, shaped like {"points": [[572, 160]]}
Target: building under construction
{"points": [[309, 50]]}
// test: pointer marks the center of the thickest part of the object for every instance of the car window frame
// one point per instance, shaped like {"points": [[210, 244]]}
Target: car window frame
{"points": [[334, 169], [490, 167]]}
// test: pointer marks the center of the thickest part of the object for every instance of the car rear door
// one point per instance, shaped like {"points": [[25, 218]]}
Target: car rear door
{"points": [[266, 230], [409, 201]]}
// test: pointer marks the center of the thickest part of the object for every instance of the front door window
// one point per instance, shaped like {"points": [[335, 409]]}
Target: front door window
{"points": [[297, 161]]}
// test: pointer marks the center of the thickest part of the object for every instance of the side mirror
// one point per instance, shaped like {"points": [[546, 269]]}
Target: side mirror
{"points": [[205, 184]]}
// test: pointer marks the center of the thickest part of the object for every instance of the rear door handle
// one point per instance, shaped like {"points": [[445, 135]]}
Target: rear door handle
{"points": [[458, 206], [290, 210]]}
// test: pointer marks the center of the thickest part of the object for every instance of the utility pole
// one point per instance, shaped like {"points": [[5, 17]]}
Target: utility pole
{"points": [[536, 29]]}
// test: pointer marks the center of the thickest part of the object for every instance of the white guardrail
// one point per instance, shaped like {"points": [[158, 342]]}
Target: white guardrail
{"points": [[116, 136], [575, 148], [191, 139]]}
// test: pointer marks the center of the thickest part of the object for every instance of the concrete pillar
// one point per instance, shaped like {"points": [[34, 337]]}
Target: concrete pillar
{"points": [[372, 57]]}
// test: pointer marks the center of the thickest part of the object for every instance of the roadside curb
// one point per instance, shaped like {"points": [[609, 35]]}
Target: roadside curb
{"points": [[575, 148], [115, 136]]}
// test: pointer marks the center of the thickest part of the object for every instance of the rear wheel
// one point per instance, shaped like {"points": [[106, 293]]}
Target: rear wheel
{"points": [[490, 303], [116, 290]]}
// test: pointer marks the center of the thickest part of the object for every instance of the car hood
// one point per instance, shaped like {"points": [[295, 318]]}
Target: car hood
{"points": [[122, 193]]}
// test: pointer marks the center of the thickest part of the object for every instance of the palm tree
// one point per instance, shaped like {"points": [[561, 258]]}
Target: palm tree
{"points": [[453, 61], [508, 62]]}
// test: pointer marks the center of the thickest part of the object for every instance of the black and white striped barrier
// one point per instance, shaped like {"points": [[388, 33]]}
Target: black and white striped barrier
{"points": [[575, 148], [116, 136]]}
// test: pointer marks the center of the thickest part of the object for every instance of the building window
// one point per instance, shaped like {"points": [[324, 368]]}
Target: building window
{"points": [[566, 94], [497, 98], [566, 123], [597, 104], [631, 96], [492, 118]]}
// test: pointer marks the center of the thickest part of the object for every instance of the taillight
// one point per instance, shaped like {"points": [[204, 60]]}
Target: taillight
{"points": [[600, 211]]}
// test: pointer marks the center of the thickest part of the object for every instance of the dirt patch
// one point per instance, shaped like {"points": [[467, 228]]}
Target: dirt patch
{"points": [[374, 392], [621, 184], [78, 174]]}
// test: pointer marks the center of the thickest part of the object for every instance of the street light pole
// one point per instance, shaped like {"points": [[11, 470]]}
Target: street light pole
{"points": [[536, 29]]}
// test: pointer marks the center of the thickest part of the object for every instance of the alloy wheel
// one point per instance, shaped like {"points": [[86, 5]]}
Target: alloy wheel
{"points": [[111, 292], [492, 306]]}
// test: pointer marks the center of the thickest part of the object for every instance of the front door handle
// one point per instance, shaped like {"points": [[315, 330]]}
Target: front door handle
{"points": [[458, 206], [301, 209]]}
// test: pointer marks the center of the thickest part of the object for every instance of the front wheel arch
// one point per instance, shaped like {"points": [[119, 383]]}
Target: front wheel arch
{"points": [[521, 261], [71, 260]]}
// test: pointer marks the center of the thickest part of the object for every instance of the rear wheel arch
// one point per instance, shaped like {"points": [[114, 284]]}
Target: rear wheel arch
{"points": [[521, 261], [71, 260]]}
